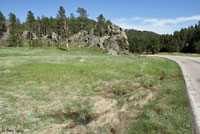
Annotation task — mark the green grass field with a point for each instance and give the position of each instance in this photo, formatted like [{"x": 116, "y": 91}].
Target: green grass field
[{"x": 49, "y": 91}]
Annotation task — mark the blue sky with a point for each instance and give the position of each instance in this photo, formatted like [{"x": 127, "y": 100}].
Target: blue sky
[{"x": 160, "y": 16}]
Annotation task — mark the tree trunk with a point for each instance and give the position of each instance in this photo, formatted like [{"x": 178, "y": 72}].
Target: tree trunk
[
  {"x": 66, "y": 38},
  {"x": 39, "y": 32}
]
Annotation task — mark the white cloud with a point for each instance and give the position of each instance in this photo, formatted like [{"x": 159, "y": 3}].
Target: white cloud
[
  {"x": 136, "y": 18},
  {"x": 161, "y": 26}
]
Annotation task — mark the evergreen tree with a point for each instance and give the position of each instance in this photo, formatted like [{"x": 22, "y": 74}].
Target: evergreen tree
[
  {"x": 82, "y": 20},
  {"x": 134, "y": 45},
  {"x": 61, "y": 17},
  {"x": 82, "y": 13},
  {"x": 101, "y": 26},
  {"x": 44, "y": 25},
  {"x": 2, "y": 24},
  {"x": 173, "y": 46},
  {"x": 30, "y": 24},
  {"x": 73, "y": 26},
  {"x": 15, "y": 34},
  {"x": 38, "y": 26},
  {"x": 154, "y": 46},
  {"x": 101, "y": 19},
  {"x": 197, "y": 47}
]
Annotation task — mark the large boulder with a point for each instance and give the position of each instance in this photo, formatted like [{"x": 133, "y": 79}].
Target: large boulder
[{"x": 55, "y": 37}]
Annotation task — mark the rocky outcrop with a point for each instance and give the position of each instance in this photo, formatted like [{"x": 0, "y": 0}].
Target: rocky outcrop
[
  {"x": 53, "y": 37},
  {"x": 27, "y": 35},
  {"x": 114, "y": 42}
]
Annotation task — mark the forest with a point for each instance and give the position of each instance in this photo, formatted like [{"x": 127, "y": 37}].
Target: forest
[
  {"x": 41, "y": 26},
  {"x": 187, "y": 40}
]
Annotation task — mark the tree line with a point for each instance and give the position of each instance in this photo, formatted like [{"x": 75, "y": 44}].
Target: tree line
[
  {"x": 41, "y": 26},
  {"x": 187, "y": 40}
]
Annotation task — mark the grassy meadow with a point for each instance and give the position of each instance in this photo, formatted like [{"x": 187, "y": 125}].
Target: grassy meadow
[{"x": 49, "y": 91}]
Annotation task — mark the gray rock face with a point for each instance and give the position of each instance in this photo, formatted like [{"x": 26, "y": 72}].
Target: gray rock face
[
  {"x": 45, "y": 37},
  {"x": 81, "y": 36},
  {"x": 55, "y": 37},
  {"x": 114, "y": 43},
  {"x": 27, "y": 34}
]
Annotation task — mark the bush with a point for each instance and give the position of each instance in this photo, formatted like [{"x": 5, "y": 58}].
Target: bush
[
  {"x": 38, "y": 43},
  {"x": 197, "y": 47}
]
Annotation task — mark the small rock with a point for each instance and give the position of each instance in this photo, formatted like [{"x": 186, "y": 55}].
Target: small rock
[
  {"x": 5, "y": 72},
  {"x": 130, "y": 98}
]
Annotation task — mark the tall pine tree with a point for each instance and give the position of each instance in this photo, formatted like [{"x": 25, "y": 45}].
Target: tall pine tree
[
  {"x": 30, "y": 24},
  {"x": 2, "y": 24},
  {"x": 61, "y": 17},
  {"x": 14, "y": 38}
]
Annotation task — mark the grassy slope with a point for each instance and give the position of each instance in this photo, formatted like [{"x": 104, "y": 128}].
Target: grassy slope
[{"x": 44, "y": 82}]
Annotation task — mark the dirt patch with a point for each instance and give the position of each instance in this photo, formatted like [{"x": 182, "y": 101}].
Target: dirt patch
[
  {"x": 77, "y": 117},
  {"x": 116, "y": 89},
  {"x": 109, "y": 118},
  {"x": 102, "y": 113},
  {"x": 175, "y": 75},
  {"x": 102, "y": 105},
  {"x": 145, "y": 100}
]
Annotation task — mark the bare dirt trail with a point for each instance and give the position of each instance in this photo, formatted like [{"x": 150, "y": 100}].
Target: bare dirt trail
[{"x": 191, "y": 71}]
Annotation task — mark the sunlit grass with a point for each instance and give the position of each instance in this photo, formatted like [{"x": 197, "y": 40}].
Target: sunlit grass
[{"x": 48, "y": 88}]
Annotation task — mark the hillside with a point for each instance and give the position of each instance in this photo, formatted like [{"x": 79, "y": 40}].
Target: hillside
[
  {"x": 140, "y": 34},
  {"x": 81, "y": 31}
]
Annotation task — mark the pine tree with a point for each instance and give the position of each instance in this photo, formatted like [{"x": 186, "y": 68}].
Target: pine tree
[
  {"x": 61, "y": 21},
  {"x": 15, "y": 34},
  {"x": 154, "y": 46},
  {"x": 38, "y": 26},
  {"x": 197, "y": 47},
  {"x": 2, "y": 24},
  {"x": 134, "y": 45},
  {"x": 82, "y": 19},
  {"x": 63, "y": 25},
  {"x": 73, "y": 27},
  {"x": 30, "y": 23},
  {"x": 82, "y": 13},
  {"x": 101, "y": 27}
]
